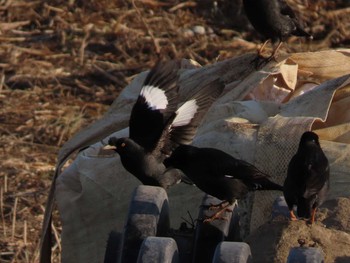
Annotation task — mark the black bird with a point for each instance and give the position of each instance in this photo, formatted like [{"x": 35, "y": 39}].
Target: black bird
[
  {"x": 307, "y": 182},
  {"x": 157, "y": 125},
  {"x": 275, "y": 20},
  {"x": 219, "y": 174}
]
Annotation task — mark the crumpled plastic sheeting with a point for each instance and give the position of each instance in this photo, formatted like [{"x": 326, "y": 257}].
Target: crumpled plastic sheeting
[
  {"x": 94, "y": 191},
  {"x": 278, "y": 134}
]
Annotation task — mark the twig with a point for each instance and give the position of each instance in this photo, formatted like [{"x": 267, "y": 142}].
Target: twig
[
  {"x": 36, "y": 253},
  {"x": 21, "y": 4},
  {"x": 155, "y": 42},
  {"x": 339, "y": 12},
  {"x": 13, "y": 25},
  {"x": 82, "y": 49},
  {"x": 33, "y": 51},
  {"x": 22, "y": 210},
  {"x": 15, "y": 257},
  {"x": 2, "y": 211},
  {"x": 58, "y": 241},
  {"x": 62, "y": 134},
  {"x": 183, "y": 5},
  {"x": 108, "y": 75},
  {"x": 42, "y": 146},
  {"x": 20, "y": 194},
  {"x": 14, "y": 219},
  {"x": 116, "y": 67},
  {"x": 153, "y": 3},
  {"x": 84, "y": 43},
  {"x": 54, "y": 8},
  {"x": 13, "y": 39},
  {"x": 55, "y": 56},
  {"x": 5, "y": 183},
  {"x": 6, "y": 5},
  {"x": 53, "y": 252},
  {"x": 192, "y": 222},
  {"x": 83, "y": 87},
  {"x": 2, "y": 80},
  {"x": 4, "y": 65},
  {"x": 25, "y": 230}
]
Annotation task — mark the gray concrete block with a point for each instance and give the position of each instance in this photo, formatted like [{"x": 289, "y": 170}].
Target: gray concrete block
[
  {"x": 158, "y": 249},
  {"x": 305, "y": 255},
  {"x": 148, "y": 216},
  {"x": 209, "y": 235},
  {"x": 232, "y": 252},
  {"x": 279, "y": 208}
]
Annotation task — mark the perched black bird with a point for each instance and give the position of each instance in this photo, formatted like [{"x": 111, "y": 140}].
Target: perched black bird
[
  {"x": 157, "y": 125},
  {"x": 219, "y": 174},
  {"x": 307, "y": 182},
  {"x": 274, "y": 19}
]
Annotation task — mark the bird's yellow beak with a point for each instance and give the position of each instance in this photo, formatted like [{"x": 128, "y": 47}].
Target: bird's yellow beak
[{"x": 109, "y": 147}]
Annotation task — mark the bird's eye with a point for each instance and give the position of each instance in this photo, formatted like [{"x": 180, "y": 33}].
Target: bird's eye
[{"x": 123, "y": 144}]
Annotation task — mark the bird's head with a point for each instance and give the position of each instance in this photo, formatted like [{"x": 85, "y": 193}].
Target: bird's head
[
  {"x": 309, "y": 137},
  {"x": 117, "y": 144}
]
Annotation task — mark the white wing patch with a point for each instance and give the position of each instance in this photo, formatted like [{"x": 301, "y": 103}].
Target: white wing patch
[
  {"x": 185, "y": 113},
  {"x": 229, "y": 176},
  {"x": 155, "y": 97}
]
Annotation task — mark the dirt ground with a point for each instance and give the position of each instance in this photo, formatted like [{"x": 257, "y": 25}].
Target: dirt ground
[{"x": 63, "y": 63}]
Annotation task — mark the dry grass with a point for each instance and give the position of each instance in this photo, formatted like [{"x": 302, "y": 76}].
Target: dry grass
[{"x": 63, "y": 63}]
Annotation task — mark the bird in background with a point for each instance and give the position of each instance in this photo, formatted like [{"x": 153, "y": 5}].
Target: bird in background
[
  {"x": 219, "y": 174},
  {"x": 158, "y": 125},
  {"x": 275, "y": 20},
  {"x": 307, "y": 182}
]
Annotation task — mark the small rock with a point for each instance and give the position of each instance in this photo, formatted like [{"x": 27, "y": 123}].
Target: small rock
[
  {"x": 188, "y": 33},
  {"x": 200, "y": 30}
]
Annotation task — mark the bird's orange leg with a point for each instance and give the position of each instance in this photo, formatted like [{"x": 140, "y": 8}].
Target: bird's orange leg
[
  {"x": 260, "y": 60},
  {"x": 260, "y": 51},
  {"x": 313, "y": 214},
  {"x": 217, "y": 215},
  {"x": 273, "y": 55},
  {"x": 292, "y": 216},
  {"x": 218, "y": 206}
]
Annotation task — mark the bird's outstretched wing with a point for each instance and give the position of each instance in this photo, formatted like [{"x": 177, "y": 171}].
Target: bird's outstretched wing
[
  {"x": 250, "y": 175},
  {"x": 183, "y": 125},
  {"x": 155, "y": 104}
]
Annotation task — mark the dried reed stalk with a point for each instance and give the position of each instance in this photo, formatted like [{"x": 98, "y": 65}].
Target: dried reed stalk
[
  {"x": 2, "y": 211},
  {"x": 14, "y": 211},
  {"x": 149, "y": 31},
  {"x": 57, "y": 238},
  {"x": 25, "y": 230}
]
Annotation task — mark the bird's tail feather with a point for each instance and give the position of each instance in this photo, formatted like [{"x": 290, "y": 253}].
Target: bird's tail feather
[{"x": 299, "y": 31}]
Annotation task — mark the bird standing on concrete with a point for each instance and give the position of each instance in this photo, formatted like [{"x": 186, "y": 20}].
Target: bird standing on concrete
[
  {"x": 219, "y": 174},
  {"x": 275, "y": 20},
  {"x": 307, "y": 182},
  {"x": 157, "y": 125}
]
